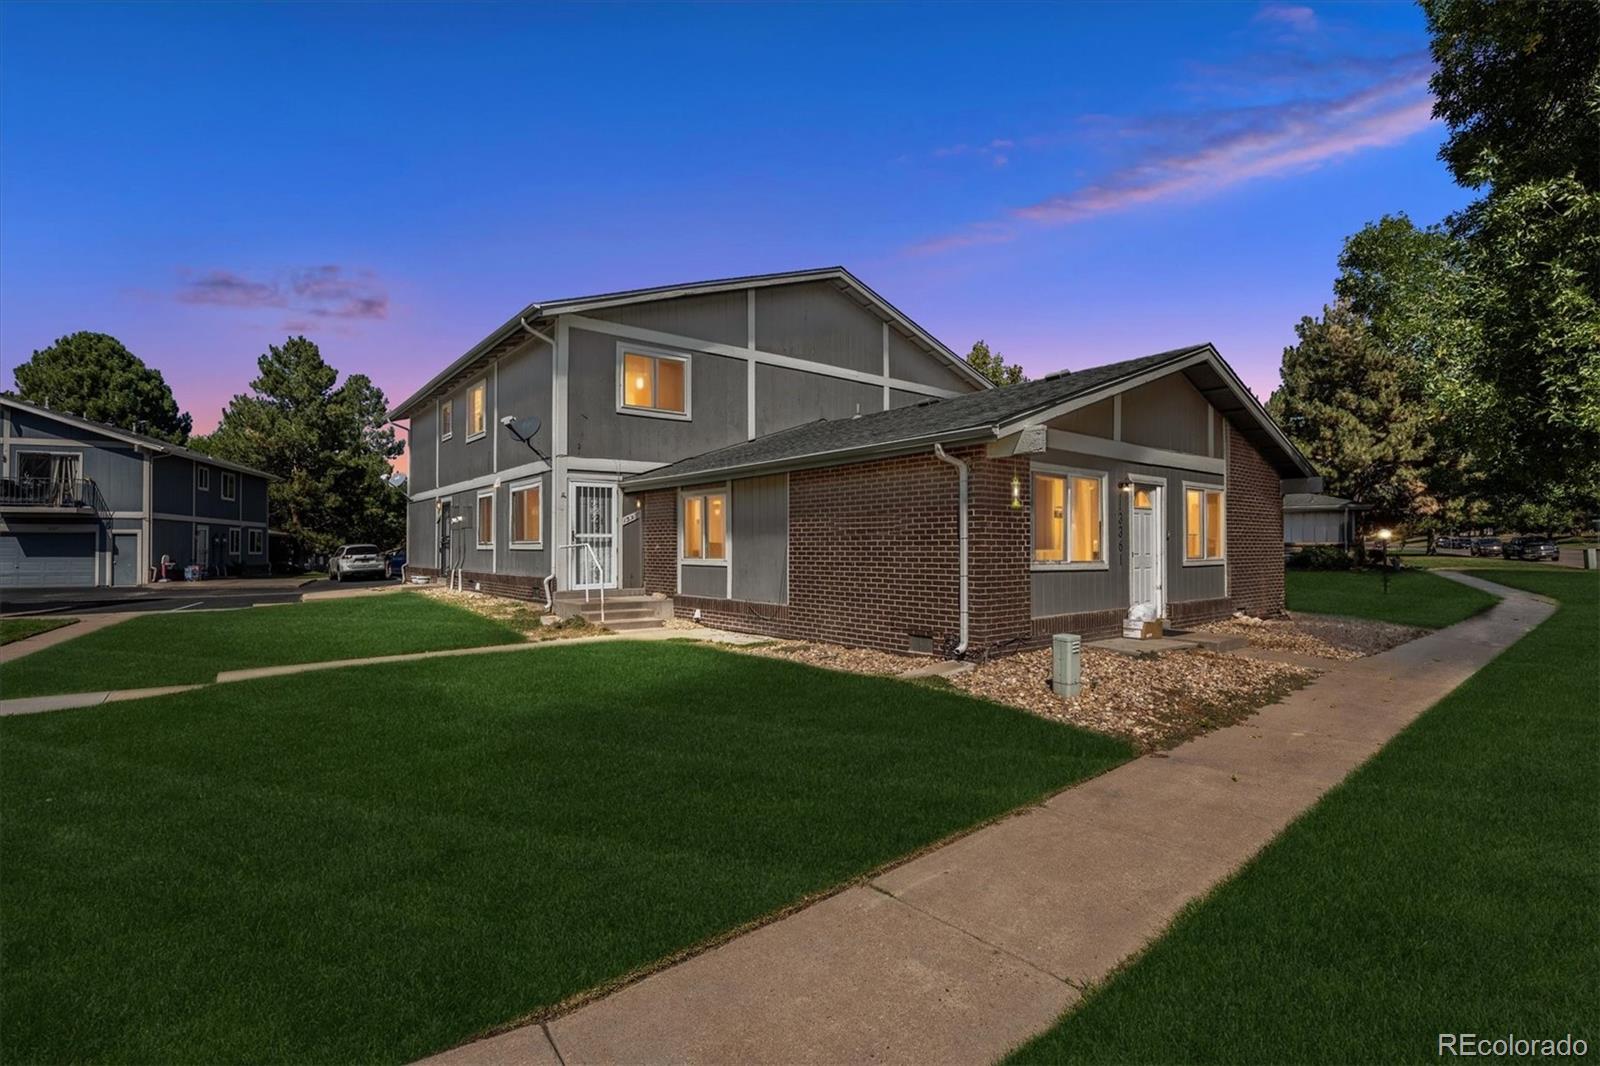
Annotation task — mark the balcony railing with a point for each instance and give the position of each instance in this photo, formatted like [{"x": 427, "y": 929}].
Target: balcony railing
[{"x": 75, "y": 493}]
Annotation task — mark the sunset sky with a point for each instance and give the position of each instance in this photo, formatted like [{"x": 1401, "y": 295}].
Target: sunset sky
[{"x": 1075, "y": 184}]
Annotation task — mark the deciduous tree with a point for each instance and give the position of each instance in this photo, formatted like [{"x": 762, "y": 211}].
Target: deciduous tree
[{"x": 993, "y": 365}]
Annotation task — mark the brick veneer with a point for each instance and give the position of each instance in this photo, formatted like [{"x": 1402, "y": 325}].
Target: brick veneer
[
  {"x": 509, "y": 586},
  {"x": 1255, "y": 530}
]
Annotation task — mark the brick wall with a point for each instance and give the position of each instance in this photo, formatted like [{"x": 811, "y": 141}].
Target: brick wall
[
  {"x": 1255, "y": 530},
  {"x": 510, "y": 586},
  {"x": 659, "y": 534}
]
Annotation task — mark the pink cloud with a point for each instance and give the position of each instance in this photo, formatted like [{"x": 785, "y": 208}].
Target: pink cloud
[
  {"x": 1294, "y": 17},
  {"x": 321, "y": 292}
]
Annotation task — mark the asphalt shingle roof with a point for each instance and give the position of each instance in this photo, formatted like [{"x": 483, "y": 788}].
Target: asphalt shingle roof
[{"x": 953, "y": 418}]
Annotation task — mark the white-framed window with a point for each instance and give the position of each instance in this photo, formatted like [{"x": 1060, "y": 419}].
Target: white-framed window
[
  {"x": 1069, "y": 518},
  {"x": 486, "y": 519},
  {"x": 447, "y": 419},
  {"x": 652, "y": 382},
  {"x": 477, "y": 410},
  {"x": 527, "y": 515},
  {"x": 1205, "y": 541},
  {"x": 704, "y": 522},
  {"x": 258, "y": 541},
  {"x": 230, "y": 485},
  {"x": 233, "y": 541},
  {"x": 202, "y": 478}
]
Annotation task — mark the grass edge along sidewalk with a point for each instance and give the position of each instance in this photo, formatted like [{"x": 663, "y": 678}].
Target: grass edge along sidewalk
[
  {"x": 1414, "y": 597},
  {"x": 1446, "y": 886}
]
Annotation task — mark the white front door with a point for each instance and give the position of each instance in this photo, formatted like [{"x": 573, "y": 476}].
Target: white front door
[
  {"x": 1145, "y": 548},
  {"x": 594, "y": 535}
]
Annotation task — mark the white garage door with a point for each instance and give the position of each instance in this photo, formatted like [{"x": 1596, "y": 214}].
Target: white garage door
[{"x": 39, "y": 560}]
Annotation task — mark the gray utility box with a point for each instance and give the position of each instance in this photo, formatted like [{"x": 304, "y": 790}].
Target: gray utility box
[{"x": 1066, "y": 664}]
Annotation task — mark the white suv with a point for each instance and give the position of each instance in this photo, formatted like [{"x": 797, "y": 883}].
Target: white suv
[{"x": 356, "y": 560}]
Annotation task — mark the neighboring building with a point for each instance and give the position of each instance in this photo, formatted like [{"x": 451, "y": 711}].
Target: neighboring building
[
  {"x": 745, "y": 448},
  {"x": 1314, "y": 518},
  {"x": 84, "y": 504}
]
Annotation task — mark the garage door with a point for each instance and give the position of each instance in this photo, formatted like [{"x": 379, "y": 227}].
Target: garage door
[{"x": 59, "y": 560}]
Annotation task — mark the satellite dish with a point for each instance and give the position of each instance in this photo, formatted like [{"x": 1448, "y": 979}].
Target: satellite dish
[{"x": 522, "y": 428}]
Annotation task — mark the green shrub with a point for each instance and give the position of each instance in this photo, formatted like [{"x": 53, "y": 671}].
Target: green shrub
[{"x": 1321, "y": 557}]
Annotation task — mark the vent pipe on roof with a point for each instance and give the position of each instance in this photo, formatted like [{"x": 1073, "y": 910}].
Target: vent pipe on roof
[{"x": 961, "y": 468}]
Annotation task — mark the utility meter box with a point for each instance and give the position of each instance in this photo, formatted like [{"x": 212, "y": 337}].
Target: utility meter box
[{"x": 1066, "y": 666}]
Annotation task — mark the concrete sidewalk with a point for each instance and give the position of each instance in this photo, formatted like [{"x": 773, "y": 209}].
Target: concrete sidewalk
[
  {"x": 88, "y": 624},
  {"x": 961, "y": 954}
]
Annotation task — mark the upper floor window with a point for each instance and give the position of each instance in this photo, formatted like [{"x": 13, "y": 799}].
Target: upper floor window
[
  {"x": 202, "y": 478},
  {"x": 705, "y": 527},
  {"x": 653, "y": 383},
  {"x": 1203, "y": 525},
  {"x": 447, "y": 419},
  {"x": 230, "y": 485},
  {"x": 477, "y": 410},
  {"x": 1069, "y": 519}
]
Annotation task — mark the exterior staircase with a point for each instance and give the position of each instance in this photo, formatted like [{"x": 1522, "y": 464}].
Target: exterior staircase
[{"x": 626, "y": 609}]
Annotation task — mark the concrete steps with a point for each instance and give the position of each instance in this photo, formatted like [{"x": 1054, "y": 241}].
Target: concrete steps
[{"x": 626, "y": 609}]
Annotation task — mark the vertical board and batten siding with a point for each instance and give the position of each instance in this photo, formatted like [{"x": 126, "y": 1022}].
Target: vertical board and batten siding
[
  {"x": 1170, "y": 413},
  {"x": 524, "y": 389},
  {"x": 897, "y": 398},
  {"x": 706, "y": 580},
  {"x": 760, "y": 539},
  {"x": 909, "y": 361},
  {"x": 1314, "y": 527},
  {"x": 422, "y": 549},
  {"x": 421, "y": 445},
  {"x": 814, "y": 320},
  {"x": 459, "y": 458},
  {"x": 787, "y": 397},
  {"x": 1056, "y": 592},
  {"x": 1096, "y": 420},
  {"x": 719, "y": 317}
]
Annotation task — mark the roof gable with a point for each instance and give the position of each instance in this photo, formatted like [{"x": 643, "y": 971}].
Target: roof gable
[{"x": 154, "y": 445}]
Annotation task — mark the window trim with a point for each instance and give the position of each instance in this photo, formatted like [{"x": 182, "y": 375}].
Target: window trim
[
  {"x": 481, "y": 383},
  {"x": 1066, "y": 472},
  {"x": 625, "y": 349},
  {"x": 724, "y": 490},
  {"x": 447, "y": 418},
  {"x": 537, "y": 485},
  {"x": 230, "y": 497},
  {"x": 477, "y": 518},
  {"x": 235, "y": 542},
  {"x": 202, "y": 477},
  {"x": 258, "y": 542},
  {"x": 1204, "y": 487}
]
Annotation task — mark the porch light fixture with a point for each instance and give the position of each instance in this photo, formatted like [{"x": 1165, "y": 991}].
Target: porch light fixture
[
  {"x": 1124, "y": 486},
  {"x": 1016, "y": 493}
]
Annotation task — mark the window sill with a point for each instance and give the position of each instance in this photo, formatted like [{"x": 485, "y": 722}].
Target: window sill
[
  {"x": 646, "y": 412},
  {"x": 486, "y": 547},
  {"x": 527, "y": 545},
  {"x": 1052, "y": 567},
  {"x": 1205, "y": 562},
  {"x": 446, "y": 436},
  {"x": 476, "y": 436},
  {"x": 702, "y": 562}
]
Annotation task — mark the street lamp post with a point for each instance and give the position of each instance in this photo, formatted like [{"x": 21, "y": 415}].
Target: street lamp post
[{"x": 1383, "y": 556}]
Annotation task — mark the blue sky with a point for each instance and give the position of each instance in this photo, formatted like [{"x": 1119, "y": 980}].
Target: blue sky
[{"x": 1076, "y": 184}]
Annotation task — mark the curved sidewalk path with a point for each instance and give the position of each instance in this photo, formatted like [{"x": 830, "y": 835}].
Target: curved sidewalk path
[{"x": 963, "y": 953}]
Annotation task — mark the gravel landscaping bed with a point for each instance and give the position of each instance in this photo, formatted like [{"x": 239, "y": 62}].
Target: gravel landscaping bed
[
  {"x": 1322, "y": 636},
  {"x": 838, "y": 657},
  {"x": 515, "y": 613},
  {"x": 1152, "y": 701}
]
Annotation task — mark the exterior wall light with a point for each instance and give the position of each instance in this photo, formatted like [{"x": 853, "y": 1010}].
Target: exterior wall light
[{"x": 1016, "y": 493}]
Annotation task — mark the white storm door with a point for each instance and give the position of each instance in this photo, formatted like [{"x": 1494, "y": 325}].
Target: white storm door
[
  {"x": 202, "y": 546},
  {"x": 1144, "y": 547},
  {"x": 594, "y": 535}
]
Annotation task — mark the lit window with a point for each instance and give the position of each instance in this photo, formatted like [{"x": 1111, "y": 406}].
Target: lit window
[
  {"x": 1069, "y": 518},
  {"x": 202, "y": 478},
  {"x": 447, "y": 419},
  {"x": 526, "y": 528},
  {"x": 230, "y": 485},
  {"x": 1203, "y": 525},
  {"x": 705, "y": 526},
  {"x": 257, "y": 541},
  {"x": 655, "y": 383},
  {"x": 486, "y": 520},
  {"x": 233, "y": 542},
  {"x": 477, "y": 410}
]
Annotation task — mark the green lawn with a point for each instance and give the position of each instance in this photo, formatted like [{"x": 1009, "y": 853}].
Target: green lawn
[
  {"x": 1414, "y": 598},
  {"x": 375, "y": 863},
  {"x": 188, "y": 647},
  {"x": 1449, "y": 885},
  {"x": 13, "y": 629}
]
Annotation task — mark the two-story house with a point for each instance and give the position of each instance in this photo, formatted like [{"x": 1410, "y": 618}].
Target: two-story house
[
  {"x": 788, "y": 454},
  {"x": 84, "y": 504}
]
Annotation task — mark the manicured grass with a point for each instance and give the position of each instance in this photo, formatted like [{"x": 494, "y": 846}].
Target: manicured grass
[
  {"x": 1413, "y": 599},
  {"x": 187, "y": 647},
  {"x": 375, "y": 863},
  {"x": 1447, "y": 886},
  {"x": 1453, "y": 561},
  {"x": 13, "y": 629}
]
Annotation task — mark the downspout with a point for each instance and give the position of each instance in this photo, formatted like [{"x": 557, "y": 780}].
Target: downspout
[{"x": 961, "y": 468}]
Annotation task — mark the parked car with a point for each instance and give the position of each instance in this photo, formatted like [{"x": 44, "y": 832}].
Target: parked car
[
  {"x": 394, "y": 564},
  {"x": 355, "y": 560},
  {"x": 1488, "y": 546},
  {"x": 1445, "y": 541},
  {"x": 1532, "y": 548}
]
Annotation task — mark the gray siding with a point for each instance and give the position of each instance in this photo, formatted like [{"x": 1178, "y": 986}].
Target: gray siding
[
  {"x": 814, "y": 320},
  {"x": 1070, "y": 591},
  {"x": 172, "y": 486},
  {"x": 786, "y": 397},
  {"x": 421, "y": 550},
  {"x": 595, "y": 428},
  {"x": 1096, "y": 420},
  {"x": 761, "y": 539},
  {"x": 908, "y": 361},
  {"x": 700, "y": 579},
  {"x": 1314, "y": 527},
  {"x": 524, "y": 387},
  {"x": 721, "y": 317},
  {"x": 1167, "y": 413},
  {"x": 420, "y": 444},
  {"x": 526, "y": 561},
  {"x": 26, "y": 424},
  {"x": 459, "y": 458},
  {"x": 173, "y": 539},
  {"x": 117, "y": 470},
  {"x": 253, "y": 498},
  {"x": 905, "y": 399}
]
